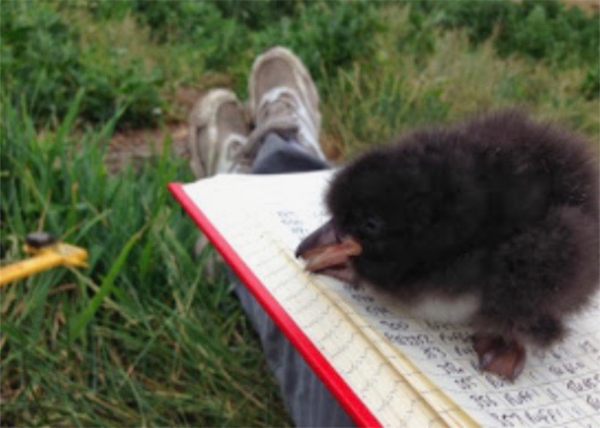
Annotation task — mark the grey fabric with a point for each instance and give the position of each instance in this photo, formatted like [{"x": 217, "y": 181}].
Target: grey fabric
[
  {"x": 307, "y": 399},
  {"x": 282, "y": 153}
]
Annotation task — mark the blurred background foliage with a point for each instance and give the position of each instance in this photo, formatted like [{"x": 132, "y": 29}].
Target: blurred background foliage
[
  {"x": 143, "y": 336},
  {"x": 49, "y": 50}
]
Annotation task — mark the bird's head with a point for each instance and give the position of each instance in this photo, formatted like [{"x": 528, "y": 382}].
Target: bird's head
[{"x": 385, "y": 223}]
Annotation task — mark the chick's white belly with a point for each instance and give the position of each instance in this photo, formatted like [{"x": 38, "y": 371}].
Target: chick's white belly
[{"x": 457, "y": 309}]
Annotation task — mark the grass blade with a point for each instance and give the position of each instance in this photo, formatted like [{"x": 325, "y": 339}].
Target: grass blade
[{"x": 80, "y": 322}]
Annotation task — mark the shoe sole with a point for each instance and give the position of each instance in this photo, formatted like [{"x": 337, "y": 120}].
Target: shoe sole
[
  {"x": 203, "y": 115},
  {"x": 297, "y": 65}
]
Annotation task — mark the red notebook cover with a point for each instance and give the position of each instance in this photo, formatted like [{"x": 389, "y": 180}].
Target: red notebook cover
[{"x": 326, "y": 372}]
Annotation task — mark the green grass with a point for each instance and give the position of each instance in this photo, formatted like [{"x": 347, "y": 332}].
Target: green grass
[
  {"x": 142, "y": 336},
  {"x": 399, "y": 90},
  {"x": 139, "y": 337}
]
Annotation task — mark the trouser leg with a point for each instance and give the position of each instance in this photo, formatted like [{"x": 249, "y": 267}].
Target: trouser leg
[
  {"x": 281, "y": 154},
  {"x": 307, "y": 399}
]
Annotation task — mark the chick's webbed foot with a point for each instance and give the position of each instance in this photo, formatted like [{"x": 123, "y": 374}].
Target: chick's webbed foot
[{"x": 499, "y": 356}]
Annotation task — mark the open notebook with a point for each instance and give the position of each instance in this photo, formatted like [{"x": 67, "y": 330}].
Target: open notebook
[{"x": 384, "y": 367}]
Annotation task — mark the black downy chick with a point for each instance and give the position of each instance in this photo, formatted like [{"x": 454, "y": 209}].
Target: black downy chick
[{"x": 494, "y": 221}]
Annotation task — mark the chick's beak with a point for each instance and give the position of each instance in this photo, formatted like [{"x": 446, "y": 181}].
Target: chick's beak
[{"x": 326, "y": 252}]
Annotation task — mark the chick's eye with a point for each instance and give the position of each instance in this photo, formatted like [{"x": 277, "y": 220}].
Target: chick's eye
[{"x": 372, "y": 225}]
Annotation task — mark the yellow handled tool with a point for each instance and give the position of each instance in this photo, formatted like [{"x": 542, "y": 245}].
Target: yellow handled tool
[{"x": 46, "y": 254}]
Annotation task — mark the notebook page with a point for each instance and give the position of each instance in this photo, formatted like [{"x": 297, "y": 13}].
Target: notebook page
[
  {"x": 558, "y": 388},
  {"x": 392, "y": 400}
]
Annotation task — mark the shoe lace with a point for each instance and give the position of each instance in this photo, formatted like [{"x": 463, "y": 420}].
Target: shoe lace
[{"x": 284, "y": 102}]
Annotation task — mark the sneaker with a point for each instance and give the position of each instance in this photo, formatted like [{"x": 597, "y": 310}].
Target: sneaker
[
  {"x": 283, "y": 99},
  {"x": 218, "y": 132}
]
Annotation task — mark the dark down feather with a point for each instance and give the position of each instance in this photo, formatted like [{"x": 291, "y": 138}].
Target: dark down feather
[{"x": 499, "y": 206}]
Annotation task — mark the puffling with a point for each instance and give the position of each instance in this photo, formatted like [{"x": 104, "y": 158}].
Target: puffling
[{"x": 493, "y": 221}]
